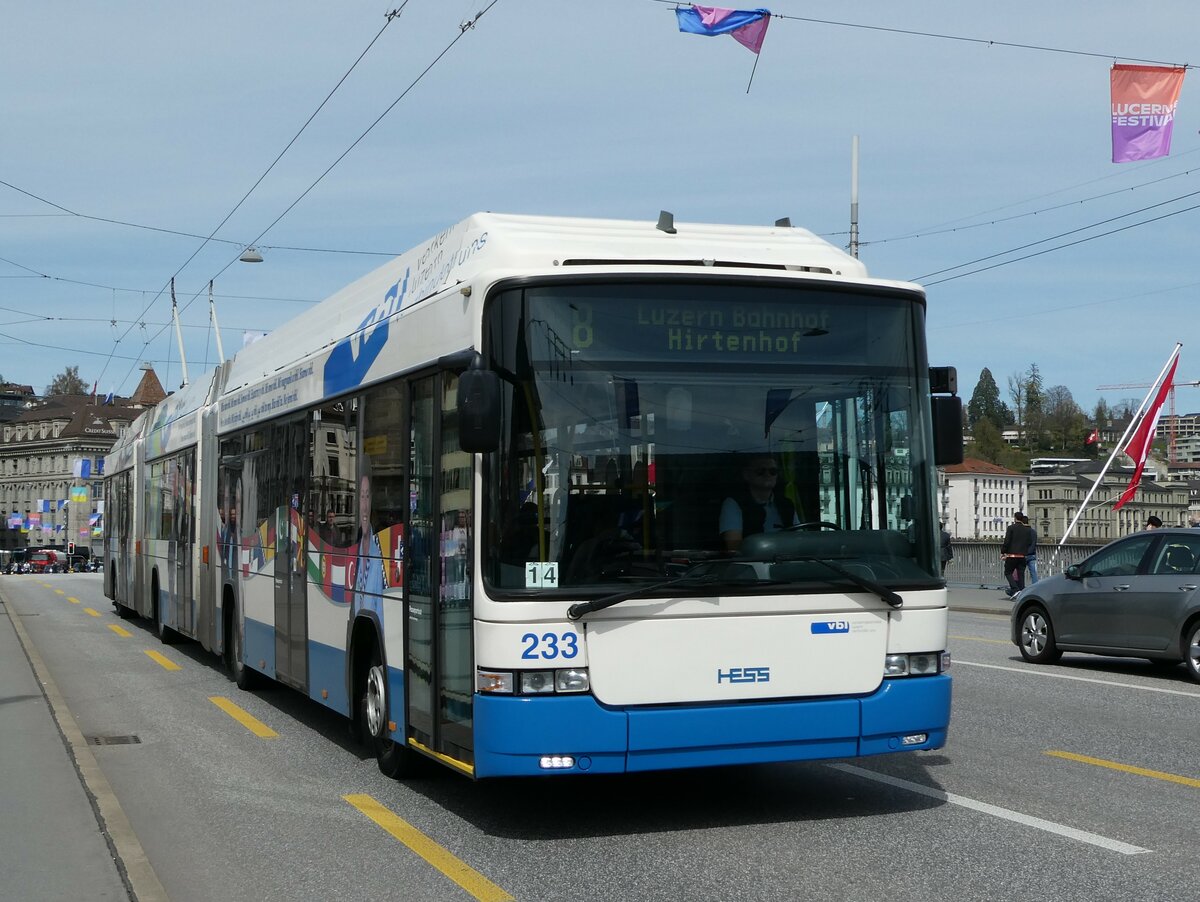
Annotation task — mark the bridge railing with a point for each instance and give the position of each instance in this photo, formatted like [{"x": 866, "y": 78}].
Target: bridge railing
[{"x": 979, "y": 563}]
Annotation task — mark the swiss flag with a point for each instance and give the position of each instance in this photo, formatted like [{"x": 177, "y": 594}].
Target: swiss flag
[
  {"x": 1093, "y": 437},
  {"x": 1143, "y": 437}
]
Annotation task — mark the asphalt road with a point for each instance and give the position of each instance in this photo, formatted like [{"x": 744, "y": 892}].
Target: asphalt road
[{"x": 1078, "y": 781}]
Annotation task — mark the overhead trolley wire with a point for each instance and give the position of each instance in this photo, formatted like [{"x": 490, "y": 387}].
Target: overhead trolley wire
[
  {"x": 68, "y": 213},
  {"x": 1003, "y": 219},
  {"x": 387, "y": 21},
  {"x": 462, "y": 30},
  {"x": 1068, "y": 244},
  {"x": 37, "y": 274},
  {"x": 1085, "y": 228}
]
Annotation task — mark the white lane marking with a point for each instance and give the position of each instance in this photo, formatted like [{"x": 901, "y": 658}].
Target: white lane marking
[
  {"x": 1077, "y": 679},
  {"x": 1094, "y": 839}
]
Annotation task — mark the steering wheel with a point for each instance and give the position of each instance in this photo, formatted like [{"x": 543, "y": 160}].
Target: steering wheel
[{"x": 811, "y": 524}]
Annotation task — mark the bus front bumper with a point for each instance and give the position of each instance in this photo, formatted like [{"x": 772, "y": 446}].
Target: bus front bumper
[{"x": 516, "y": 736}]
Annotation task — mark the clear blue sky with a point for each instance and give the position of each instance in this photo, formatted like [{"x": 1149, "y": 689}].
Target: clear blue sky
[{"x": 165, "y": 115}]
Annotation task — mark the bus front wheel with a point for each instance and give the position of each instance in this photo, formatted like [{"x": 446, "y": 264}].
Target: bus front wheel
[{"x": 394, "y": 760}]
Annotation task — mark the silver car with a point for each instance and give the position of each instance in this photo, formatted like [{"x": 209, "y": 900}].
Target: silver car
[{"x": 1137, "y": 597}]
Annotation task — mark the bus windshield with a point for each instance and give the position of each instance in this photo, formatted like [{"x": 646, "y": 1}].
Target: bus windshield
[{"x": 746, "y": 430}]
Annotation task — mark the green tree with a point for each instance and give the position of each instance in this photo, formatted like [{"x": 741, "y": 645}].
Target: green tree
[
  {"x": 1064, "y": 419},
  {"x": 1124, "y": 408},
  {"x": 1101, "y": 415},
  {"x": 1035, "y": 408},
  {"x": 67, "y": 383},
  {"x": 1017, "y": 393},
  {"x": 988, "y": 444},
  {"x": 985, "y": 403}
]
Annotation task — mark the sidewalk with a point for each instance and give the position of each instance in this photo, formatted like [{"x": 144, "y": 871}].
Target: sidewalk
[
  {"x": 51, "y": 844},
  {"x": 979, "y": 601}
]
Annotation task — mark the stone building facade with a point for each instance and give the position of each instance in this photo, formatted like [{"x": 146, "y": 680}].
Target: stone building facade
[
  {"x": 1055, "y": 498},
  {"x": 51, "y": 467}
]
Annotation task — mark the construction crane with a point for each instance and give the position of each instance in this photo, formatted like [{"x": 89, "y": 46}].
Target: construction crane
[{"x": 1192, "y": 383}]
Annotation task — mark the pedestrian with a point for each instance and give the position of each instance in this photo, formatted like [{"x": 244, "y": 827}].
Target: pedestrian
[
  {"x": 947, "y": 549},
  {"x": 1013, "y": 551},
  {"x": 1153, "y": 522},
  {"x": 1031, "y": 554}
]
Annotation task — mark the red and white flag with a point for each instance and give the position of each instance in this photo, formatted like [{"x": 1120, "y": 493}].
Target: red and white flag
[
  {"x": 1093, "y": 437},
  {"x": 1143, "y": 437}
]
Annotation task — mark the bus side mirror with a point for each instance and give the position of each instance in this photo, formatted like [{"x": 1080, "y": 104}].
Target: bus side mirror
[
  {"x": 478, "y": 409},
  {"x": 947, "y": 430}
]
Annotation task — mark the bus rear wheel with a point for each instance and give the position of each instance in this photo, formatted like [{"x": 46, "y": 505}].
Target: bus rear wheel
[
  {"x": 166, "y": 635},
  {"x": 394, "y": 760},
  {"x": 246, "y": 678}
]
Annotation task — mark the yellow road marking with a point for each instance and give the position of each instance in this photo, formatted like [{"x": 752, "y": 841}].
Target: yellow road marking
[
  {"x": 979, "y": 639},
  {"x": 1127, "y": 768},
  {"x": 72, "y": 599},
  {"x": 120, "y": 630},
  {"x": 91, "y": 611},
  {"x": 478, "y": 886},
  {"x": 59, "y": 592},
  {"x": 245, "y": 718},
  {"x": 166, "y": 662}
]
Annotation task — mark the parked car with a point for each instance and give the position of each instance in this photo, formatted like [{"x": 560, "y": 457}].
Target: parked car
[{"x": 1136, "y": 597}]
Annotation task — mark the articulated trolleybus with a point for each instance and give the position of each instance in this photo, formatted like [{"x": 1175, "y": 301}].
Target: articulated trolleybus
[{"x": 555, "y": 495}]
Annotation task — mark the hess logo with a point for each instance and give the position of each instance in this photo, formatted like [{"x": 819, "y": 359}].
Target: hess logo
[{"x": 744, "y": 675}]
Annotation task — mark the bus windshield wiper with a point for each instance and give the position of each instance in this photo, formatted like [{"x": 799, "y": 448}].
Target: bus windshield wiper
[
  {"x": 575, "y": 611},
  {"x": 892, "y": 598}
]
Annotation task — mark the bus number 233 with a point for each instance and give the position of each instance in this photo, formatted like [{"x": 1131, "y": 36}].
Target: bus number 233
[{"x": 550, "y": 645}]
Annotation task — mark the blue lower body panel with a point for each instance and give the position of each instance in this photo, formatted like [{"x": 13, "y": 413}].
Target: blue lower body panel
[
  {"x": 512, "y": 734},
  {"x": 259, "y": 652},
  {"x": 327, "y": 673}
]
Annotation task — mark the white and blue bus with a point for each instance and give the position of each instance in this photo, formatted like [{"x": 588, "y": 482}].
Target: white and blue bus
[{"x": 550, "y": 495}]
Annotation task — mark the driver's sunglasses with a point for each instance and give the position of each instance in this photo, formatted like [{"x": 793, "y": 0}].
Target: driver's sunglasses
[{"x": 766, "y": 471}]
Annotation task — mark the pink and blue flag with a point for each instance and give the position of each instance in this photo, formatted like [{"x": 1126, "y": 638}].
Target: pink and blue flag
[
  {"x": 746, "y": 26},
  {"x": 1144, "y": 99}
]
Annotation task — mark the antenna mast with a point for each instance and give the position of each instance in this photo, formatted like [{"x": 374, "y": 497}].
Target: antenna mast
[{"x": 854, "y": 198}]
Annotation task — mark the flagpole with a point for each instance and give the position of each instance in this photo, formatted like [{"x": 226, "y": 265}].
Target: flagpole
[
  {"x": 752, "y": 71},
  {"x": 1120, "y": 447}
]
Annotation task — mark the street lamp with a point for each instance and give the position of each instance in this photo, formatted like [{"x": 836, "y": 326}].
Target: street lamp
[{"x": 251, "y": 255}]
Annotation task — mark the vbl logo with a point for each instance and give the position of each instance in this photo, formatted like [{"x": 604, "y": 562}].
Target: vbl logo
[{"x": 744, "y": 675}]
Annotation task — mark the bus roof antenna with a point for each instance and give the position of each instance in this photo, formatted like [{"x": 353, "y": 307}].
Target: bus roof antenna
[
  {"x": 666, "y": 222},
  {"x": 785, "y": 223}
]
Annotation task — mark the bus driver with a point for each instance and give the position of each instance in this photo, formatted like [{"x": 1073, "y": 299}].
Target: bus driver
[{"x": 757, "y": 507}]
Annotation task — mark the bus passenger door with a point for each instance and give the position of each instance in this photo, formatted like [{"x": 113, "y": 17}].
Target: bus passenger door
[
  {"x": 185, "y": 538},
  {"x": 439, "y": 666},
  {"x": 291, "y": 443}
]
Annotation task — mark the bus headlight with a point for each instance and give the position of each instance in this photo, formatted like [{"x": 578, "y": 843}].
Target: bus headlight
[
  {"x": 532, "y": 682},
  {"x": 925, "y": 663},
  {"x": 571, "y": 681},
  {"x": 922, "y": 665},
  {"x": 536, "y": 682}
]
